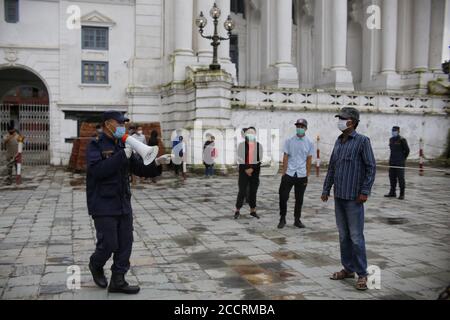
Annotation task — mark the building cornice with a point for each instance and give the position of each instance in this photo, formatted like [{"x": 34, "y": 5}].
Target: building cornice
[{"x": 111, "y": 2}]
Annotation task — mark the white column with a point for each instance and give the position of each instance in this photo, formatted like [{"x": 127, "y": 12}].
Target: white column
[
  {"x": 437, "y": 35},
  {"x": 339, "y": 34},
  {"x": 421, "y": 34},
  {"x": 204, "y": 48},
  {"x": 224, "y": 48},
  {"x": 183, "y": 27},
  {"x": 336, "y": 76},
  {"x": 285, "y": 74},
  {"x": 389, "y": 35},
  {"x": 284, "y": 32}
]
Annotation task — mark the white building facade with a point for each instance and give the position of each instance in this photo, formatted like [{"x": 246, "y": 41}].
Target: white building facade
[{"x": 287, "y": 59}]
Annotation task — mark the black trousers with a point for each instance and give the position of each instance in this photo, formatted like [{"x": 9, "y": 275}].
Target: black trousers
[
  {"x": 248, "y": 188},
  {"x": 394, "y": 175},
  {"x": 114, "y": 236},
  {"x": 178, "y": 168},
  {"x": 285, "y": 188}
]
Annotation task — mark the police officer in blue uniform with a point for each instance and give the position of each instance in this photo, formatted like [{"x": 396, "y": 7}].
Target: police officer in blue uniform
[
  {"x": 399, "y": 153},
  {"x": 109, "y": 164}
]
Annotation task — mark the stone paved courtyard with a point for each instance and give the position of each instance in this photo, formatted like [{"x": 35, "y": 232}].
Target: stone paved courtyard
[{"x": 187, "y": 246}]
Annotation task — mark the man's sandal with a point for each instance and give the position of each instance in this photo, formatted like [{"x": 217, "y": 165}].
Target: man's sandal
[
  {"x": 361, "y": 284},
  {"x": 341, "y": 275}
]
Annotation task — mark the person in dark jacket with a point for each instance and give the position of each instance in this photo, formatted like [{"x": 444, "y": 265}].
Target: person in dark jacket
[
  {"x": 250, "y": 154},
  {"x": 109, "y": 163},
  {"x": 154, "y": 140},
  {"x": 399, "y": 153}
]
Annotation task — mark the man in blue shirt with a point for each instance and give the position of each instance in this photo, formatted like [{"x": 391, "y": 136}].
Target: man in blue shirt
[
  {"x": 352, "y": 172},
  {"x": 297, "y": 158}
]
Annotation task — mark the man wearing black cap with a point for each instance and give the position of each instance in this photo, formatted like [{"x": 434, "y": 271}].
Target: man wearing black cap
[
  {"x": 109, "y": 161},
  {"x": 399, "y": 153},
  {"x": 351, "y": 171}
]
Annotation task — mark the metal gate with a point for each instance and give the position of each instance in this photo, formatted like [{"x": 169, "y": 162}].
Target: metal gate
[{"x": 33, "y": 124}]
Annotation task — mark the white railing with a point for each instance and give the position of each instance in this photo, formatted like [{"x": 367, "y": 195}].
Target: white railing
[{"x": 295, "y": 99}]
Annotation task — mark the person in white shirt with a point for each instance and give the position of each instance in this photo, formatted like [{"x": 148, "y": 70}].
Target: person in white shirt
[
  {"x": 297, "y": 158},
  {"x": 139, "y": 135}
]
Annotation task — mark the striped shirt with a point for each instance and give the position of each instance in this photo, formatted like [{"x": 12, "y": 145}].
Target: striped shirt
[{"x": 352, "y": 168}]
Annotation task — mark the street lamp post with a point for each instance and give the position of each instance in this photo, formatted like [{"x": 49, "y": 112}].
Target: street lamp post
[{"x": 228, "y": 25}]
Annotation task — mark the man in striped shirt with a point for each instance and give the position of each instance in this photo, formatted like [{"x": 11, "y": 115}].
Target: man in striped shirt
[{"x": 352, "y": 172}]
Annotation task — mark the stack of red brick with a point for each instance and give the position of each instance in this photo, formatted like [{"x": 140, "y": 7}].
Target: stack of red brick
[
  {"x": 78, "y": 157},
  {"x": 148, "y": 128},
  {"x": 87, "y": 132}
]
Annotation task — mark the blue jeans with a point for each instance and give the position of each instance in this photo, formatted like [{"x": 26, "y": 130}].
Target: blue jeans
[
  {"x": 350, "y": 223},
  {"x": 209, "y": 170}
]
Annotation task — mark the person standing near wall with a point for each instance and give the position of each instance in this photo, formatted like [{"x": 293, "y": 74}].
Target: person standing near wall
[
  {"x": 179, "y": 154},
  {"x": 297, "y": 159},
  {"x": 11, "y": 141},
  {"x": 153, "y": 141},
  {"x": 399, "y": 152},
  {"x": 351, "y": 171},
  {"x": 139, "y": 135},
  {"x": 209, "y": 154},
  {"x": 249, "y": 156},
  {"x": 98, "y": 131}
]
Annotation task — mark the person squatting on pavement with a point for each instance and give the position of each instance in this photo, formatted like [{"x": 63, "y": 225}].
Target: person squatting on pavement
[
  {"x": 249, "y": 157},
  {"x": 351, "y": 171},
  {"x": 298, "y": 151},
  {"x": 108, "y": 193},
  {"x": 399, "y": 153}
]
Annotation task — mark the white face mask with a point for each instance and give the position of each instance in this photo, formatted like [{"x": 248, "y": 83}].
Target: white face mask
[
  {"x": 342, "y": 124},
  {"x": 139, "y": 132}
]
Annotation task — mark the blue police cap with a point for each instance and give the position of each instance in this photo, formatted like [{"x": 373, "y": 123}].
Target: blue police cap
[{"x": 116, "y": 115}]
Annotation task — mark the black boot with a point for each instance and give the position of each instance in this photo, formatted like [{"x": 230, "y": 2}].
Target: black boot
[
  {"x": 402, "y": 195},
  {"x": 99, "y": 276},
  {"x": 391, "y": 194},
  {"x": 282, "y": 223},
  {"x": 119, "y": 285},
  {"x": 254, "y": 214},
  {"x": 298, "y": 223}
]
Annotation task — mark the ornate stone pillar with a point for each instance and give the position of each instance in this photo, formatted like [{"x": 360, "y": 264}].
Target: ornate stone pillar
[
  {"x": 183, "y": 24},
  {"x": 286, "y": 75},
  {"x": 389, "y": 36},
  {"x": 421, "y": 35},
  {"x": 337, "y": 77},
  {"x": 204, "y": 48}
]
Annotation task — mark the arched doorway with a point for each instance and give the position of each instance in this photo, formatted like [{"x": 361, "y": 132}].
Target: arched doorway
[{"x": 24, "y": 102}]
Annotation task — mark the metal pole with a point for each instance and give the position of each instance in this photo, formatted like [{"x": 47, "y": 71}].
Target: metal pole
[
  {"x": 421, "y": 157},
  {"x": 19, "y": 161},
  {"x": 215, "y": 43},
  {"x": 318, "y": 157}
]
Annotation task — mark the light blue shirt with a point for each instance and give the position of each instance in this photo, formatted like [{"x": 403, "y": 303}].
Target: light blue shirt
[{"x": 298, "y": 149}]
